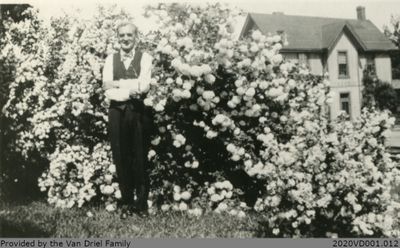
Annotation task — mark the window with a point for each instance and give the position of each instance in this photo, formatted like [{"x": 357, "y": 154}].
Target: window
[
  {"x": 290, "y": 56},
  {"x": 345, "y": 103},
  {"x": 303, "y": 59},
  {"x": 395, "y": 66},
  {"x": 370, "y": 64},
  {"x": 343, "y": 65}
]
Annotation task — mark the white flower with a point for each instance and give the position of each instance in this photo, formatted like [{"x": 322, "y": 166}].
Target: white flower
[
  {"x": 186, "y": 195},
  {"x": 209, "y": 78},
  {"x": 110, "y": 208},
  {"x": 193, "y": 16},
  {"x": 372, "y": 142},
  {"x": 215, "y": 198},
  {"x": 205, "y": 69},
  {"x": 233, "y": 212},
  {"x": 222, "y": 206},
  {"x": 275, "y": 92},
  {"x": 277, "y": 59},
  {"x": 357, "y": 208},
  {"x": 211, "y": 190},
  {"x": 256, "y": 35},
  {"x": 227, "y": 185},
  {"x": 235, "y": 157},
  {"x": 108, "y": 190},
  {"x": 156, "y": 141},
  {"x": 177, "y": 188},
  {"x": 187, "y": 85},
  {"x": 151, "y": 154},
  {"x": 276, "y": 38},
  {"x": 250, "y": 92},
  {"x": 183, "y": 206},
  {"x": 177, "y": 196},
  {"x": 112, "y": 168},
  {"x": 108, "y": 178},
  {"x": 243, "y": 48},
  {"x": 254, "y": 48},
  {"x": 241, "y": 214},
  {"x": 148, "y": 102},
  {"x": 208, "y": 95},
  {"x": 197, "y": 212},
  {"x": 118, "y": 194},
  {"x": 165, "y": 207},
  {"x": 179, "y": 140},
  {"x": 292, "y": 83},
  {"x": 159, "y": 108},
  {"x": 195, "y": 164}
]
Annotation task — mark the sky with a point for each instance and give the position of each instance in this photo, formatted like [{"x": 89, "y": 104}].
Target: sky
[{"x": 378, "y": 11}]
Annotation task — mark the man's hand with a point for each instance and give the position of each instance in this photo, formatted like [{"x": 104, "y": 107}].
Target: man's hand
[
  {"x": 110, "y": 85},
  {"x": 133, "y": 92},
  {"x": 144, "y": 87}
]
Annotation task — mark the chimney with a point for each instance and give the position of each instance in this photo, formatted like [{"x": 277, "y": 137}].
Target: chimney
[
  {"x": 361, "y": 13},
  {"x": 277, "y": 13}
]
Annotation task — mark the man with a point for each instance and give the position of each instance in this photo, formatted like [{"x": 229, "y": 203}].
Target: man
[{"x": 126, "y": 80}]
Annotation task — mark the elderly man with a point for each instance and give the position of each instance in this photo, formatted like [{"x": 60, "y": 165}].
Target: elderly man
[{"x": 126, "y": 80}]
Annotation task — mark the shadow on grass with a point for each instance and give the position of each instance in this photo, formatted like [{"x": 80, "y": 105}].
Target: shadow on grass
[{"x": 10, "y": 229}]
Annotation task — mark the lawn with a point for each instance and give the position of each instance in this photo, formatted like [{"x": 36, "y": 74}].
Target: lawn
[{"x": 38, "y": 219}]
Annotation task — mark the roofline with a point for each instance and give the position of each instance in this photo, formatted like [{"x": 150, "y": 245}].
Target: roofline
[
  {"x": 352, "y": 36},
  {"x": 383, "y": 50},
  {"x": 246, "y": 22},
  {"x": 255, "y": 23},
  {"x": 324, "y": 50},
  {"x": 322, "y": 17},
  {"x": 294, "y": 50},
  {"x": 345, "y": 29},
  {"x": 355, "y": 35}
]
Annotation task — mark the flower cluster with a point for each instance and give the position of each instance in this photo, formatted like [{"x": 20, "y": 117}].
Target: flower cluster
[{"x": 74, "y": 176}]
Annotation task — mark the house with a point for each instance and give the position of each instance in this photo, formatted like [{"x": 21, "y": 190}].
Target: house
[{"x": 341, "y": 47}]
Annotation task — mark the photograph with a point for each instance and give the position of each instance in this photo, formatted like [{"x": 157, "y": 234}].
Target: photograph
[{"x": 254, "y": 119}]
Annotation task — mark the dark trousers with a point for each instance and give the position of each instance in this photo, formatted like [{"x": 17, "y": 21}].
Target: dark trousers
[{"x": 129, "y": 131}]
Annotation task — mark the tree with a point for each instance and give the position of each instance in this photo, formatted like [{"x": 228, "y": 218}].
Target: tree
[
  {"x": 13, "y": 11},
  {"x": 393, "y": 33},
  {"x": 378, "y": 94},
  {"x": 14, "y": 184},
  {"x": 386, "y": 97}
]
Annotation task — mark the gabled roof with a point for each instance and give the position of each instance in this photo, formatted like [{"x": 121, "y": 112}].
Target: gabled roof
[{"x": 319, "y": 33}]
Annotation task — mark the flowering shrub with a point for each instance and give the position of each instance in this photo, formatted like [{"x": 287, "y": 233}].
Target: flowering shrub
[{"x": 238, "y": 128}]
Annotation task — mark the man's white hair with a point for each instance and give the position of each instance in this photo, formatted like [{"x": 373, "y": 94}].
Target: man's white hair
[{"x": 127, "y": 23}]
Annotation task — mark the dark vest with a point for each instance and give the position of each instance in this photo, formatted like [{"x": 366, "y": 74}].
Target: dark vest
[{"x": 119, "y": 72}]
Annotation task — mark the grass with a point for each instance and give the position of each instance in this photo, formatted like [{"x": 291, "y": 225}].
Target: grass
[{"x": 38, "y": 219}]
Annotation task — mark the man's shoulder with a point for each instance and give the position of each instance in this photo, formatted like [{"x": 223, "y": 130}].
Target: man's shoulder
[
  {"x": 146, "y": 55},
  {"x": 110, "y": 56},
  {"x": 140, "y": 50}
]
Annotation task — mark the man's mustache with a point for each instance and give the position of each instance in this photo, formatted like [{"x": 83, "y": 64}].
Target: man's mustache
[{"x": 126, "y": 42}]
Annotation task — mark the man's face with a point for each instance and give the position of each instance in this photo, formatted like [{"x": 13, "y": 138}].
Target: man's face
[{"x": 127, "y": 37}]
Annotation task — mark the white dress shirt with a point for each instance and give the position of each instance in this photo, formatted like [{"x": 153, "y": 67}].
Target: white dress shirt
[{"x": 140, "y": 84}]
